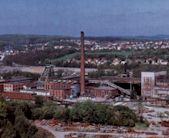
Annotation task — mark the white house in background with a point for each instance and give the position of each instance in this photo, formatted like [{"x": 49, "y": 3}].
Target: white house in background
[
  {"x": 116, "y": 61},
  {"x": 162, "y": 62}
]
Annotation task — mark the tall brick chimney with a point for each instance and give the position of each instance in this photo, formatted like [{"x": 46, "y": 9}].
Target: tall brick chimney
[{"x": 82, "y": 66}]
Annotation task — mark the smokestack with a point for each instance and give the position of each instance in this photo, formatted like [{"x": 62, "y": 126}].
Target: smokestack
[{"x": 82, "y": 66}]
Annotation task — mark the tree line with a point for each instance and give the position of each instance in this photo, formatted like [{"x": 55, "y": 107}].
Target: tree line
[
  {"x": 86, "y": 112},
  {"x": 15, "y": 116}
]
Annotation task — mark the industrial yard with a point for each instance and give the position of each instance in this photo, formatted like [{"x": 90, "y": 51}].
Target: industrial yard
[{"x": 157, "y": 117}]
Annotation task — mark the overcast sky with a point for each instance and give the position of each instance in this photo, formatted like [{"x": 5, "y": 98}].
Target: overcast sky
[{"x": 95, "y": 17}]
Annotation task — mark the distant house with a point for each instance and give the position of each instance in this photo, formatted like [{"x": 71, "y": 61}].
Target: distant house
[{"x": 116, "y": 61}]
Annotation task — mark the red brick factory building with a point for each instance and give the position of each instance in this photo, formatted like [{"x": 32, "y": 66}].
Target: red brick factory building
[{"x": 81, "y": 87}]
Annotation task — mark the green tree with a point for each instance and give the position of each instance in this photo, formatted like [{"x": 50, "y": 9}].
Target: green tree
[
  {"x": 37, "y": 113},
  {"x": 39, "y": 100},
  {"x": 31, "y": 131},
  {"x": 59, "y": 113},
  {"x": 75, "y": 113},
  {"x": 103, "y": 114},
  {"x": 21, "y": 125},
  {"x": 126, "y": 116},
  {"x": 87, "y": 111},
  {"x": 9, "y": 131},
  {"x": 3, "y": 109},
  {"x": 25, "y": 108}
]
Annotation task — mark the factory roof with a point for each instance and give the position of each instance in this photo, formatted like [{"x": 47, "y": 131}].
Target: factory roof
[{"x": 101, "y": 88}]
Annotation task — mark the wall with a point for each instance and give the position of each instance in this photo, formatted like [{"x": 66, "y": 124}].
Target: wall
[{"x": 147, "y": 84}]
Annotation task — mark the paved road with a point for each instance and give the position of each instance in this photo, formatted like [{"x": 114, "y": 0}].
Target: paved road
[
  {"x": 59, "y": 134},
  {"x": 50, "y": 130}
]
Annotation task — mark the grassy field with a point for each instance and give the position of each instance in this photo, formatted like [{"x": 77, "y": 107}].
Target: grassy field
[
  {"x": 70, "y": 56},
  {"x": 123, "y": 53},
  {"x": 141, "y": 126}
]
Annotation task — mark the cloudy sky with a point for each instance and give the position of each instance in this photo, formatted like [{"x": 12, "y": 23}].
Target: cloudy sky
[{"x": 95, "y": 17}]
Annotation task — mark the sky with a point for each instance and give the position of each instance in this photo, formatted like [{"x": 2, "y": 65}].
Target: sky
[{"x": 94, "y": 17}]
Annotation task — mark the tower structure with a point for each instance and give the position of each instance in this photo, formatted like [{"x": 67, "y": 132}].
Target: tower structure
[
  {"x": 82, "y": 66},
  {"x": 47, "y": 73}
]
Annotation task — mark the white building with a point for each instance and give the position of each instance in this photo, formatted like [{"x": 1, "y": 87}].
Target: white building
[
  {"x": 36, "y": 92},
  {"x": 154, "y": 85}
]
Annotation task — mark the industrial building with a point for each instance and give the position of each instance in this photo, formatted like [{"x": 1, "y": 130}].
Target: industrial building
[
  {"x": 73, "y": 87},
  {"x": 16, "y": 84},
  {"x": 35, "y": 92},
  {"x": 155, "y": 85},
  {"x": 13, "y": 86},
  {"x": 102, "y": 92}
]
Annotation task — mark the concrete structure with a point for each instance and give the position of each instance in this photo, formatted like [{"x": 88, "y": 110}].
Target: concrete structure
[
  {"x": 36, "y": 92},
  {"x": 147, "y": 84},
  {"x": 82, "y": 66},
  {"x": 154, "y": 85}
]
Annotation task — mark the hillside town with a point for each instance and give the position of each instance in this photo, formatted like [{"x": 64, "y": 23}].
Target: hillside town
[{"x": 99, "y": 53}]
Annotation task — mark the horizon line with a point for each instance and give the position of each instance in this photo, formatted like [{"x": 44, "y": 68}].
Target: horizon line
[{"x": 58, "y": 35}]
